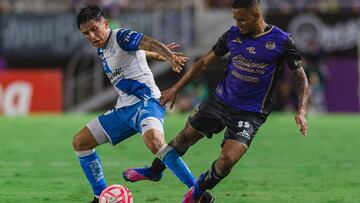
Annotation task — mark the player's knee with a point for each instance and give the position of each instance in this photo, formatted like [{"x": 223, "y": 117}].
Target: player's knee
[
  {"x": 79, "y": 144},
  {"x": 229, "y": 159},
  {"x": 76, "y": 143},
  {"x": 153, "y": 133}
]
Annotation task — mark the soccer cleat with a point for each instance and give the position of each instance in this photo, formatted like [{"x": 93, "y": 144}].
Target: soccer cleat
[
  {"x": 195, "y": 195},
  {"x": 137, "y": 174},
  {"x": 192, "y": 196},
  {"x": 201, "y": 197},
  {"x": 95, "y": 200}
]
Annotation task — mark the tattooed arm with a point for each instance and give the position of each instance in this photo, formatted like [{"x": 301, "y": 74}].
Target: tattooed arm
[
  {"x": 294, "y": 61},
  {"x": 156, "y": 56},
  {"x": 149, "y": 44},
  {"x": 302, "y": 88}
]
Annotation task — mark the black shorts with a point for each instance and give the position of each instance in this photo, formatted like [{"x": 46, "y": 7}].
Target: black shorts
[{"x": 212, "y": 116}]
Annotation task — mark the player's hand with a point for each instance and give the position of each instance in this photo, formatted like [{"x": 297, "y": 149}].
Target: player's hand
[
  {"x": 170, "y": 46},
  {"x": 301, "y": 122},
  {"x": 177, "y": 63},
  {"x": 178, "y": 59},
  {"x": 169, "y": 95}
]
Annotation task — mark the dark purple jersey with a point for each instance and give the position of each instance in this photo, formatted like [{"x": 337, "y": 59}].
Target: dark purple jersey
[{"x": 253, "y": 66}]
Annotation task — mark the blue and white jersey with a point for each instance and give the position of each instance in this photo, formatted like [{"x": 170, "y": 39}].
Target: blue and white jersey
[{"x": 127, "y": 68}]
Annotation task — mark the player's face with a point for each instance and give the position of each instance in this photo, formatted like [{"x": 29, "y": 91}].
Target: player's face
[
  {"x": 96, "y": 32},
  {"x": 246, "y": 20}
]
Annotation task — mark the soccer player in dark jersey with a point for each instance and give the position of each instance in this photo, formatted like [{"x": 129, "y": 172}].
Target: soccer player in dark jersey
[{"x": 242, "y": 101}]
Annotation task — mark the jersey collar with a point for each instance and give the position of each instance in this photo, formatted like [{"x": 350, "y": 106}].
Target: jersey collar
[
  {"x": 266, "y": 31},
  {"x": 107, "y": 41}
]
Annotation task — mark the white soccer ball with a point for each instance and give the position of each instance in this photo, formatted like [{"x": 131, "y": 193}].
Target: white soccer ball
[{"x": 116, "y": 194}]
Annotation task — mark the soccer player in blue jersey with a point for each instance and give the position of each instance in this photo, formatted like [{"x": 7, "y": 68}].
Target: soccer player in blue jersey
[
  {"x": 138, "y": 109},
  {"x": 242, "y": 101}
]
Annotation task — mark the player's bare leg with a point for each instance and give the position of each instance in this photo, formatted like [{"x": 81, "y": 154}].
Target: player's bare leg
[
  {"x": 154, "y": 140},
  {"x": 186, "y": 138},
  {"x": 231, "y": 153},
  {"x": 84, "y": 140}
]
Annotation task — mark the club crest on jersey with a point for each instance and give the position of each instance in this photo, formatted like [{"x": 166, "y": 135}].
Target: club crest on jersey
[
  {"x": 251, "y": 50},
  {"x": 270, "y": 45},
  {"x": 112, "y": 51}
]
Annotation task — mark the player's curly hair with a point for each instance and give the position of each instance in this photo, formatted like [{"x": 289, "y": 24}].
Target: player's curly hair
[
  {"x": 92, "y": 12},
  {"x": 245, "y": 3}
]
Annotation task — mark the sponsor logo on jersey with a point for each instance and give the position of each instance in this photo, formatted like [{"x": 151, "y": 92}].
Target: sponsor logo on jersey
[
  {"x": 270, "y": 45},
  {"x": 128, "y": 36}
]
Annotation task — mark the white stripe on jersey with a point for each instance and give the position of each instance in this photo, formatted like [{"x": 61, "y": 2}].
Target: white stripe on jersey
[{"x": 128, "y": 72}]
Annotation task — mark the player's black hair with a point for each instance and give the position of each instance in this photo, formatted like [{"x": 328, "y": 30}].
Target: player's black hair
[
  {"x": 244, "y": 3},
  {"x": 92, "y": 12}
]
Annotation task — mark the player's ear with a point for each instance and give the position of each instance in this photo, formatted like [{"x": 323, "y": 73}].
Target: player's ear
[{"x": 106, "y": 23}]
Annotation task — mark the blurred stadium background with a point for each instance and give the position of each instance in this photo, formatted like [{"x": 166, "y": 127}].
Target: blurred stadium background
[
  {"x": 41, "y": 36},
  {"x": 46, "y": 66}
]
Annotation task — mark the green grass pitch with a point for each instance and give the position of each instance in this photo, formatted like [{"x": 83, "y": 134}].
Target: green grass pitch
[{"x": 38, "y": 165}]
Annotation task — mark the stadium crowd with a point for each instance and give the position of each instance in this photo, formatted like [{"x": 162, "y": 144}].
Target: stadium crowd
[
  {"x": 289, "y": 6},
  {"x": 18, "y": 6},
  {"x": 272, "y": 6},
  {"x": 315, "y": 68}
]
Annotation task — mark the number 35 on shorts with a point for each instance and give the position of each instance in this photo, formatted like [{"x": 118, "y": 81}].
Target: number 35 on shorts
[{"x": 243, "y": 124}]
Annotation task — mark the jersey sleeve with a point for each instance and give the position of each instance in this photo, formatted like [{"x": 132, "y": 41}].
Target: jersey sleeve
[
  {"x": 220, "y": 48},
  {"x": 292, "y": 55},
  {"x": 129, "y": 40}
]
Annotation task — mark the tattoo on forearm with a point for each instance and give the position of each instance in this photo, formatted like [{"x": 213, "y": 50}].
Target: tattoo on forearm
[
  {"x": 161, "y": 49},
  {"x": 302, "y": 87}
]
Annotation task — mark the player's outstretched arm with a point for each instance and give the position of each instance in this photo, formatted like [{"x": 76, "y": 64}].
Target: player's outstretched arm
[
  {"x": 156, "y": 56},
  {"x": 150, "y": 44},
  {"x": 302, "y": 88},
  {"x": 195, "y": 71}
]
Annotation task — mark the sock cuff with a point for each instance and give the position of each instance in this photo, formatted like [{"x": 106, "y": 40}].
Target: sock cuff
[
  {"x": 163, "y": 151},
  {"x": 81, "y": 154}
]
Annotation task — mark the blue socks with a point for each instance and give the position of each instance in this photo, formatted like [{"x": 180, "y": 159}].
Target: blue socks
[
  {"x": 172, "y": 160},
  {"x": 91, "y": 165}
]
